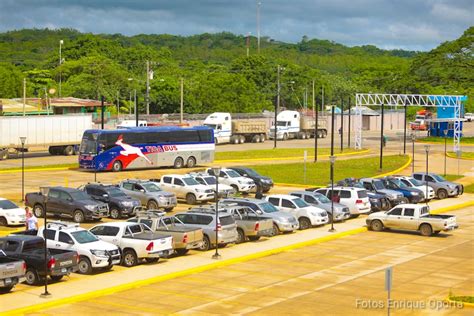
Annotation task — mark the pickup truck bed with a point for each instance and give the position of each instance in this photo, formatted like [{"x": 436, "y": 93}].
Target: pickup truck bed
[{"x": 12, "y": 271}]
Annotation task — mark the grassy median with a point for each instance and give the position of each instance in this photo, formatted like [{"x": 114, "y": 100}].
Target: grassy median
[
  {"x": 464, "y": 155},
  {"x": 318, "y": 173},
  {"x": 277, "y": 153}
]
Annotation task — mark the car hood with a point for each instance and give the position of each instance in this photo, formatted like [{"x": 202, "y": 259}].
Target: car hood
[
  {"x": 125, "y": 198},
  {"x": 16, "y": 211},
  {"x": 161, "y": 193},
  {"x": 244, "y": 180},
  {"x": 390, "y": 192},
  {"x": 89, "y": 202},
  {"x": 338, "y": 207},
  {"x": 373, "y": 195},
  {"x": 101, "y": 245},
  {"x": 314, "y": 209}
]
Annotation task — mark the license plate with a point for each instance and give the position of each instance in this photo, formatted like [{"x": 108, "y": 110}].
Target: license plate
[
  {"x": 8, "y": 281},
  {"x": 63, "y": 270}
]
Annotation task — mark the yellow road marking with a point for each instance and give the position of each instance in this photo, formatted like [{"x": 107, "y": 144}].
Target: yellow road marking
[
  {"x": 396, "y": 170},
  {"x": 453, "y": 155}
]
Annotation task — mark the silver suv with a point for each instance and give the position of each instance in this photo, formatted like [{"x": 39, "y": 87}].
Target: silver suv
[
  {"x": 149, "y": 194},
  {"x": 226, "y": 227},
  {"x": 341, "y": 212}
]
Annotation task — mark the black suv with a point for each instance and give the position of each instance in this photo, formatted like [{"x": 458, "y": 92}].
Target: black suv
[
  {"x": 262, "y": 182},
  {"x": 119, "y": 203}
]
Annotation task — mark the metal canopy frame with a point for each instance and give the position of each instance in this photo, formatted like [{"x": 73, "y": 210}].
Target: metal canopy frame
[{"x": 377, "y": 99}]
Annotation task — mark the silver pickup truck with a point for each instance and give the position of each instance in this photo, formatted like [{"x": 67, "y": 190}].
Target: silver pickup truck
[
  {"x": 411, "y": 217},
  {"x": 12, "y": 272}
]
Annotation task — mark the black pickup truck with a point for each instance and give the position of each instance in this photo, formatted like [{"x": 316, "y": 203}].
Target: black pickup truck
[
  {"x": 31, "y": 250},
  {"x": 72, "y": 203}
]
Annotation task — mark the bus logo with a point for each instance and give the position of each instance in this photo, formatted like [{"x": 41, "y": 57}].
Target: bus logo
[{"x": 131, "y": 150}]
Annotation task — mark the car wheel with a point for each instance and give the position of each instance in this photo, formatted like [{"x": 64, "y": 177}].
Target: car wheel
[
  {"x": 206, "y": 244},
  {"x": 56, "y": 278},
  {"x": 85, "y": 266},
  {"x": 178, "y": 163},
  {"x": 117, "y": 166},
  {"x": 275, "y": 230},
  {"x": 442, "y": 194},
  {"x": 405, "y": 200},
  {"x": 78, "y": 216},
  {"x": 3, "y": 221},
  {"x": 38, "y": 210},
  {"x": 152, "y": 205},
  {"x": 152, "y": 260},
  {"x": 190, "y": 198},
  {"x": 115, "y": 213},
  {"x": 129, "y": 258},
  {"x": 304, "y": 223},
  {"x": 6, "y": 289},
  {"x": 376, "y": 225},
  {"x": 68, "y": 150},
  {"x": 254, "y": 238},
  {"x": 31, "y": 277},
  {"x": 285, "y": 136},
  {"x": 191, "y": 162},
  {"x": 235, "y": 187},
  {"x": 182, "y": 252},
  {"x": 240, "y": 236},
  {"x": 426, "y": 230},
  {"x": 4, "y": 154}
]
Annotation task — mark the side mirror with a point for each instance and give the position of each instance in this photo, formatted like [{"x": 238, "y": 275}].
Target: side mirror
[
  {"x": 142, "y": 191},
  {"x": 105, "y": 196}
]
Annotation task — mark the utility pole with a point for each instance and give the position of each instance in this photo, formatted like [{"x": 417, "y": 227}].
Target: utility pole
[
  {"x": 277, "y": 106},
  {"x": 182, "y": 102},
  {"x": 61, "y": 42},
  {"x": 130, "y": 104},
  {"x": 315, "y": 111},
  {"x": 135, "y": 106},
  {"x": 24, "y": 95},
  {"x": 118, "y": 105},
  {"x": 322, "y": 98},
  {"x": 349, "y": 123},
  {"x": 342, "y": 124},
  {"x": 258, "y": 26},
  {"x": 248, "y": 44},
  {"x": 147, "y": 95}
]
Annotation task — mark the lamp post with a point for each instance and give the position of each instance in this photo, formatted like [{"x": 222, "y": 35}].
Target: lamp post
[
  {"x": 277, "y": 106},
  {"x": 22, "y": 140},
  {"x": 45, "y": 191},
  {"x": 217, "y": 171},
  {"x": 332, "y": 159},
  {"x": 413, "y": 137},
  {"x": 427, "y": 151},
  {"x": 445, "y": 134},
  {"x": 61, "y": 42}
]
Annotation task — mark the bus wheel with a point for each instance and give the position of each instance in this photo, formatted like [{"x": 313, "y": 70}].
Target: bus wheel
[
  {"x": 117, "y": 166},
  {"x": 191, "y": 162},
  {"x": 178, "y": 163},
  {"x": 68, "y": 150}
]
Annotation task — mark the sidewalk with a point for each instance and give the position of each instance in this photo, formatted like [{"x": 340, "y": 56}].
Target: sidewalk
[{"x": 123, "y": 278}]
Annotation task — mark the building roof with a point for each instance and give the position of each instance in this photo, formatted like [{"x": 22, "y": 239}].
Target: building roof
[{"x": 71, "y": 102}]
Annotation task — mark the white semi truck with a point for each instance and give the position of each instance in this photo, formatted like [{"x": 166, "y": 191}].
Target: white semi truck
[
  {"x": 236, "y": 132},
  {"x": 59, "y": 134},
  {"x": 292, "y": 124}
]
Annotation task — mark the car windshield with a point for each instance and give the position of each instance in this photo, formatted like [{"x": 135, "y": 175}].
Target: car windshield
[
  {"x": 438, "y": 178},
  {"x": 415, "y": 182},
  {"x": 321, "y": 198},
  {"x": 233, "y": 174},
  {"x": 209, "y": 180},
  {"x": 399, "y": 183},
  {"x": 115, "y": 192},
  {"x": 379, "y": 185},
  {"x": 251, "y": 172},
  {"x": 267, "y": 207},
  {"x": 151, "y": 187},
  {"x": 7, "y": 205},
  {"x": 300, "y": 202},
  {"x": 84, "y": 237},
  {"x": 79, "y": 195},
  {"x": 190, "y": 181},
  {"x": 213, "y": 126}
]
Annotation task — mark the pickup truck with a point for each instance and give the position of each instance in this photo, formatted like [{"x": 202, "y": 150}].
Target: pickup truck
[
  {"x": 93, "y": 253},
  {"x": 149, "y": 194},
  {"x": 250, "y": 225},
  {"x": 210, "y": 181},
  {"x": 185, "y": 187},
  {"x": 378, "y": 186},
  {"x": 442, "y": 187},
  {"x": 234, "y": 179},
  {"x": 413, "y": 195},
  {"x": 136, "y": 241},
  {"x": 12, "y": 272},
  {"x": 31, "y": 250},
  {"x": 411, "y": 217},
  {"x": 72, "y": 203},
  {"x": 184, "y": 237}
]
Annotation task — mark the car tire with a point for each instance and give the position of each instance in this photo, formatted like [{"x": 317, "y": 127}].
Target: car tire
[
  {"x": 240, "y": 236},
  {"x": 4, "y": 154},
  {"x": 38, "y": 210},
  {"x": 115, "y": 213},
  {"x": 129, "y": 258},
  {"x": 305, "y": 223},
  {"x": 405, "y": 200},
  {"x": 78, "y": 216},
  {"x": 6, "y": 289},
  {"x": 178, "y": 163},
  {"x": 182, "y": 252},
  {"x": 152, "y": 205},
  {"x": 426, "y": 230},
  {"x": 190, "y": 198},
  {"x": 376, "y": 225},
  {"x": 206, "y": 244},
  {"x": 285, "y": 136},
  {"x": 3, "y": 221},
  {"x": 56, "y": 278},
  {"x": 117, "y": 166},
  {"x": 152, "y": 260},
  {"x": 275, "y": 230},
  {"x": 191, "y": 162},
  {"x": 107, "y": 268},
  {"x": 84, "y": 265},
  {"x": 31, "y": 277},
  {"x": 442, "y": 194},
  {"x": 236, "y": 188},
  {"x": 254, "y": 238},
  {"x": 68, "y": 150}
]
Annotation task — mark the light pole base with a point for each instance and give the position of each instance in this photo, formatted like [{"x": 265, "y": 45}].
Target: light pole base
[
  {"x": 331, "y": 230},
  {"x": 216, "y": 256},
  {"x": 45, "y": 295}
]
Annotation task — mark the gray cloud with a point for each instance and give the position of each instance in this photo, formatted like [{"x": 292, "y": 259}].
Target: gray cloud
[{"x": 407, "y": 24}]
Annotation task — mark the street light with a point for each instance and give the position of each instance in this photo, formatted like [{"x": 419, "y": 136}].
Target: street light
[
  {"x": 332, "y": 159},
  {"x": 413, "y": 138},
  {"x": 22, "y": 140},
  {"x": 217, "y": 171},
  {"x": 427, "y": 151},
  {"x": 45, "y": 191},
  {"x": 445, "y": 134}
]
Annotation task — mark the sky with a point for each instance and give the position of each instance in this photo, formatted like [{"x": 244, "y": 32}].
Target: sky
[{"x": 389, "y": 24}]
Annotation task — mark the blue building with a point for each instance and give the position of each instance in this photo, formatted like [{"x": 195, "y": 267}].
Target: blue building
[{"x": 446, "y": 117}]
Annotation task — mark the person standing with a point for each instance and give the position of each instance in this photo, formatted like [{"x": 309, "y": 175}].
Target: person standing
[{"x": 31, "y": 222}]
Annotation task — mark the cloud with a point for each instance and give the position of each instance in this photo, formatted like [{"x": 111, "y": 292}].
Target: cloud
[{"x": 408, "y": 24}]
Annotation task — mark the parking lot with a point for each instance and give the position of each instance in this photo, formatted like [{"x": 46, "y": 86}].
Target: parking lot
[{"x": 336, "y": 277}]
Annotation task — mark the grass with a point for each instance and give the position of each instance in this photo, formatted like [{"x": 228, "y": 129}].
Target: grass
[
  {"x": 464, "y": 154},
  {"x": 449, "y": 140},
  {"x": 452, "y": 177},
  {"x": 317, "y": 174},
  {"x": 276, "y": 153},
  {"x": 469, "y": 188},
  {"x": 464, "y": 299}
]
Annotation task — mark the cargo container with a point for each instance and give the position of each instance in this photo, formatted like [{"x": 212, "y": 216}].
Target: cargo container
[
  {"x": 236, "y": 132},
  {"x": 292, "y": 124}
]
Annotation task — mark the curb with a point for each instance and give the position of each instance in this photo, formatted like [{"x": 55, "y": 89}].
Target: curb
[
  {"x": 38, "y": 169},
  {"x": 440, "y": 143},
  {"x": 452, "y": 207},
  {"x": 453, "y": 155},
  {"x": 464, "y": 304},
  {"x": 396, "y": 170}
]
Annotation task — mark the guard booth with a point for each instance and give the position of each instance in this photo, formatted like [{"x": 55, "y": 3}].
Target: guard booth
[{"x": 446, "y": 118}]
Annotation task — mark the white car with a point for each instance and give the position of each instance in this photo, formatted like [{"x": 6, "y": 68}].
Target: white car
[
  {"x": 356, "y": 199},
  {"x": 210, "y": 181},
  {"x": 93, "y": 252},
  {"x": 234, "y": 179},
  {"x": 413, "y": 183},
  {"x": 306, "y": 214},
  {"x": 185, "y": 187},
  {"x": 11, "y": 214},
  {"x": 469, "y": 116}
]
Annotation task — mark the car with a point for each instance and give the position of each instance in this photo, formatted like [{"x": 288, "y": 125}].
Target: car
[
  {"x": 413, "y": 183},
  {"x": 226, "y": 227},
  {"x": 234, "y": 179},
  {"x": 149, "y": 194},
  {"x": 469, "y": 116},
  {"x": 210, "y": 181},
  {"x": 412, "y": 195},
  {"x": 120, "y": 204},
  {"x": 306, "y": 214},
  {"x": 263, "y": 183},
  {"x": 136, "y": 241},
  {"x": 185, "y": 187},
  {"x": 356, "y": 199},
  {"x": 442, "y": 187},
  {"x": 378, "y": 201},
  {"x": 11, "y": 214},
  {"x": 94, "y": 254},
  {"x": 414, "y": 217},
  {"x": 282, "y": 222},
  {"x": 341, "y": 212},
  {"x": 378, "y": 186}
]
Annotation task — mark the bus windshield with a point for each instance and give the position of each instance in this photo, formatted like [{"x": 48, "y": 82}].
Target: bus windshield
[{"x": 88, "y": 144}]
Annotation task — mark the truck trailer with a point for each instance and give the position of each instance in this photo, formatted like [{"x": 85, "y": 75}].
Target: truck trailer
[
  {"x": 59, "y": 134},
  {"x": 292, "y": 124},
  {"x": 236, "y": 132}
]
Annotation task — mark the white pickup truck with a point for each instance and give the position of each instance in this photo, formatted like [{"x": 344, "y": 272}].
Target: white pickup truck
[
  {"x": 185, "y": 187},
  {"x": 234, "y": 179},
  {"x": 136, "y": 241},
  {"x": 93, "y": 253},
  {"x": 411, "y": 217}
]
